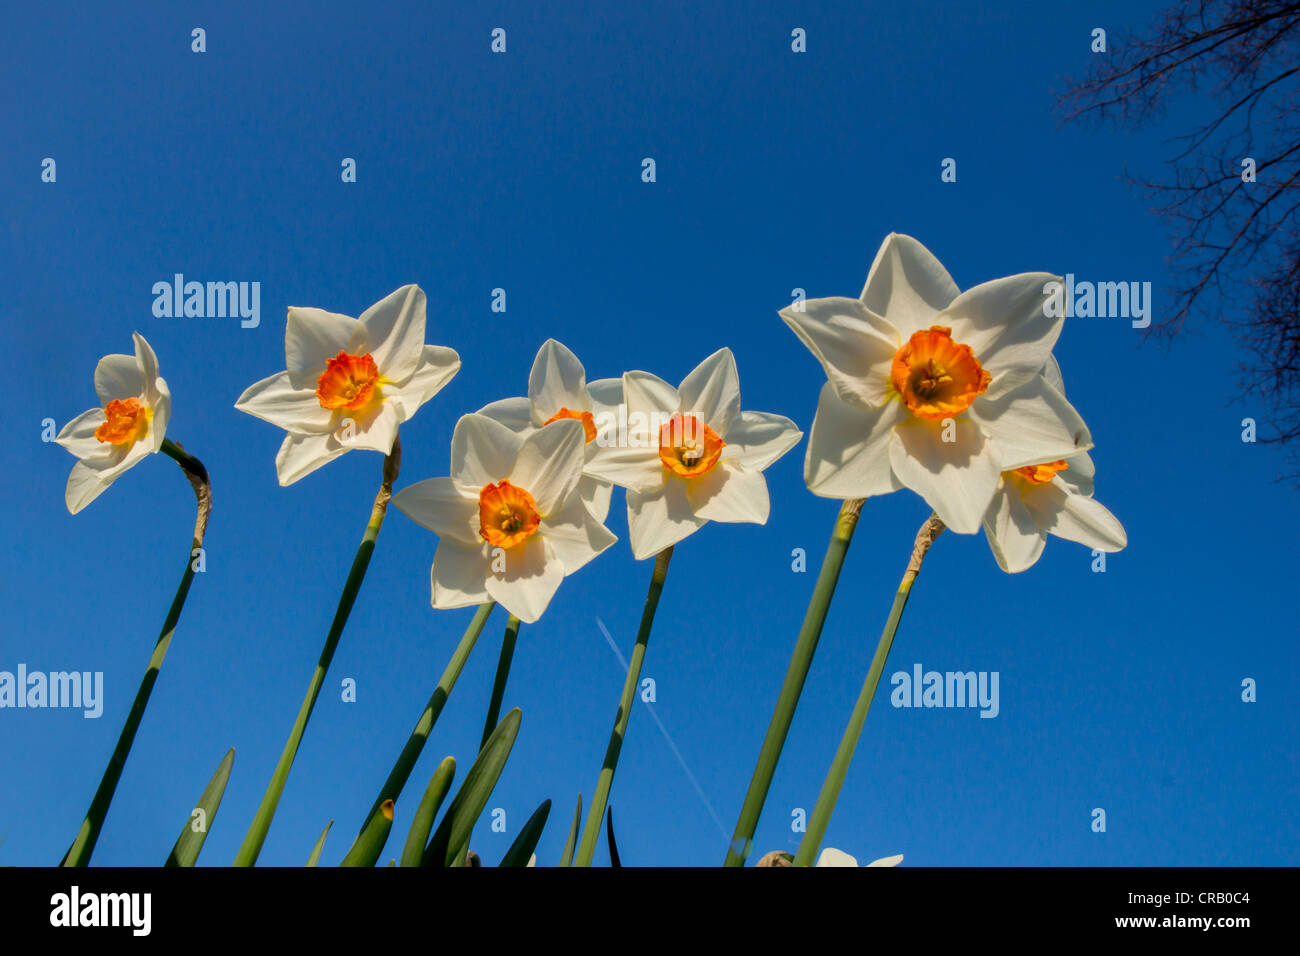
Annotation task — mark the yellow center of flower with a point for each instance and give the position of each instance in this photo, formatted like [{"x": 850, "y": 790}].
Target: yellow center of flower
[
  {"x": 688, "y": 447},
  {"x": 587, "y": 419},
  {"x": 936, "y": 377},
  {"x": 1041, "y": 474},
  {"x": 349, "y": 382},
  {"x": 507, "y": 515},
  {"x": 126, "y": 420}
]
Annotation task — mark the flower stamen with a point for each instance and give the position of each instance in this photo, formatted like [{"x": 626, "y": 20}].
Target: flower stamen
[{"x": 688, "y": 447}]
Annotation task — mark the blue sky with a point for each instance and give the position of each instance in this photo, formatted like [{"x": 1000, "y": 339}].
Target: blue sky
[{"x": 775, "y": 170}]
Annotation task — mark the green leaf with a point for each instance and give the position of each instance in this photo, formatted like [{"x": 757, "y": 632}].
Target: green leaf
[
  {"x": 451, "y": 840},
  {"x": 370, "y": 841},
  {"x": 320, "y": 845},
  {"x": 609, "y": 832},
  {"x": 190, "y": 842},
  {"x": 572, "y": 843},
  {"x": 434, "y": 794},
  {"x": 522, "y": 849}
]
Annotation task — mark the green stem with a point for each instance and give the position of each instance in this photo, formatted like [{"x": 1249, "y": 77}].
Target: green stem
[
  {"x": 830, "y": 792},
  {"x": 591, "y": 833},
  {"x": 84, "y": 845},
  {"x": 364, "y": 852},
  {"x": 742, "y": 841},
  {"x": 503, "y": 673},
  {"x": 256, "y": 836}
]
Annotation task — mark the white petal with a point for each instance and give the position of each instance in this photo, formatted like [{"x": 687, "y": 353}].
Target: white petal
[
  {"x": 1015, "y": 540},
  {"x": 711, "y": 392},
  {"x": 833, "y": 857},
  {"x": 511, "y": 412},
  {"x": 636, "y": 469},
  {"x": 575, "y": 536},
  {"x": 311, "y": 338},
  {"x": 438, "y": 366},
  {"x": 147, "y": 364},
  {"x": 757, "y": 439},
  {"x": 1006, "y": 326},
  {"x": 84, "y": 486},
  {"x": 275, "y": 400},
  {"x": 957, "y": 479},
  {"x": 482, "y": 451},
  {"x": 458, "y": 577},
  {"x": 605, "y": 394},
  {"x": 300, "y": 455},
  {"x": 1074, "y": 517},
  {"x": 394, "y": 329},
  {"x": 162, "y": 413},
  {"x": 848, "y": 448},
  {"x": 650, "y": 396},
  {"x": 658, "y": 519},
  {"x": 549, "y": 464},
  {"x": 531, "y": 577},
  {"x": 117, "y": 377},
  {"x": 374, "y": 428},
  {"x": 595, "y": 495},
  {"x": 78, "y": 436},
  {"x": 1052, "y": 372},
  {"x": 1079, "y": 473},
  {"x": 557, "y": 381},
  {"x": 729, "y": 492},
  {"x": 907, "y": 285},
  {"x": 1031, "y": 425},
  {"x": 854, "y": 346},
  {"x": 443, "y": 507},
  {"x": 887, "y": 861}
]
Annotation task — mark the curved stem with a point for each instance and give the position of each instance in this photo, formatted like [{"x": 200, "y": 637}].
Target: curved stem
[
  {"x": 256, "y": 836},
  {"x": 84, "y": 845},
  {"x": 830, "y": 792},
  {"x": 742, "y": 841},
  {"x": 503, "y": 673},
  {"x": 591, "y": 833}
]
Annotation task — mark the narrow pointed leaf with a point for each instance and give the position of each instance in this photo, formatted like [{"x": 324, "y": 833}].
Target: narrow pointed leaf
[
  {"x": 572, "y": 843},
  {"x": 451, "y": 840},
  {"x": 609, "y": 832},
  {"x": 526, "y": 842},
  {"x": 320, "y": 845},
  {"x": 434, "y": 794},
  {"x": 370, "y": 842},
  {"x": 190, "y": 842}
]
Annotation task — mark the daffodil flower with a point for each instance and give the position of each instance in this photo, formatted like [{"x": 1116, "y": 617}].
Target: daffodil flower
[
  {"x": 130, "y": 422},
  {"x": 511, "y": 521},
  {"x": 558, "y": 390},
  {"x": 1049, "y": 497},
  {"x": 931, "y": 388},
  {"x": 833, "y": 857},
  {"x": 689, "y": 455},
  {"x": 349, "y": 383}
]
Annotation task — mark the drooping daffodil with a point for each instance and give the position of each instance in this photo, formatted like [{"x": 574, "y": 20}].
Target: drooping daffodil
[
  {"x": 129, "y": 423},
  {"x": 349, "y": 383},
  {"x": 558, "y": 389},
  {"x": 689, "y": 455},
  {"x": 1049, "y": 497},
  {"x": 510, "y": 519},
  {"x": 931, "y": 388}
]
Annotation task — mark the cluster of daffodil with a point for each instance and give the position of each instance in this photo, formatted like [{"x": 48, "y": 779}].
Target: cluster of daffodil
[{"x": 954, "y": 395}]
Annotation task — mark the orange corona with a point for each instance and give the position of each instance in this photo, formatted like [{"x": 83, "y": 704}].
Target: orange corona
[
  {"x": 1041, "y": 474},
  {"x": 349, "y": 382},
  {"x": 688, "y": 447},
  {"x": 125, "y": 421},
  {"x": 588, "y": 421},
  {"x": 936, "y": 377},
  {"x": 507, "y": 515}
]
